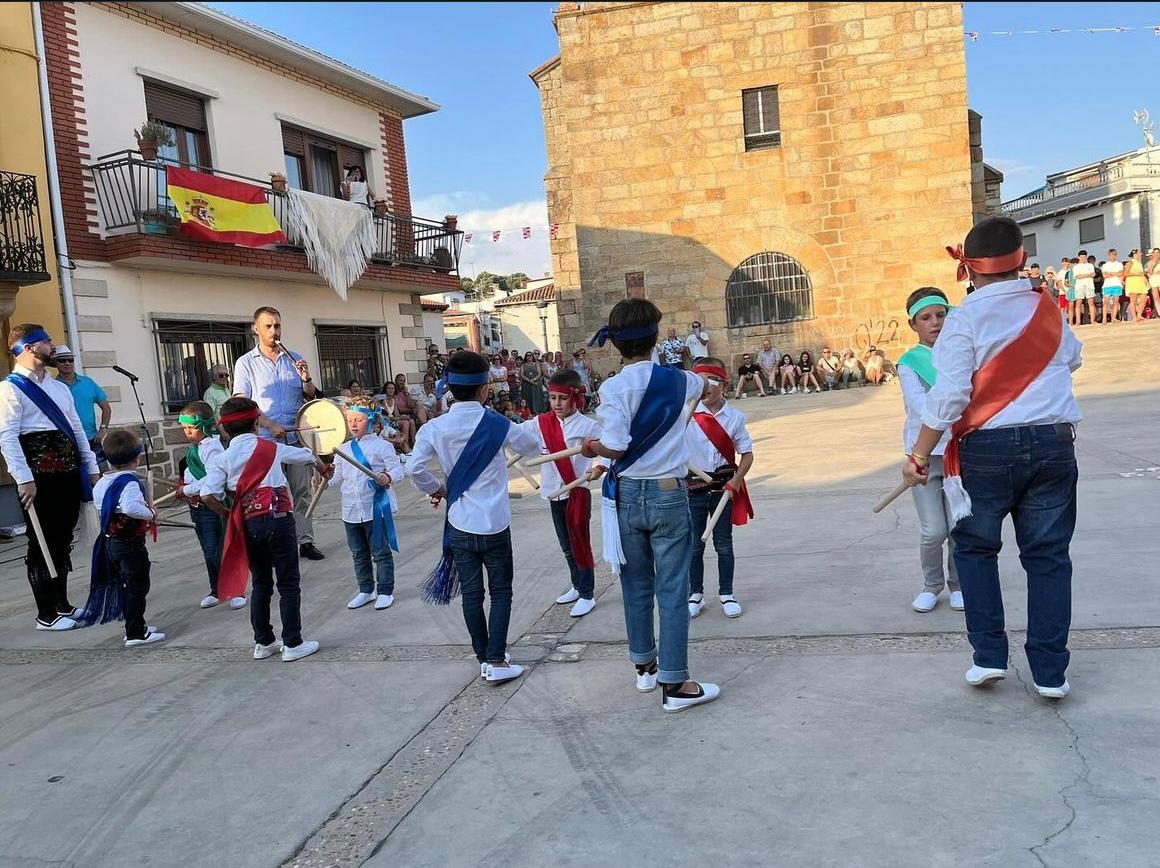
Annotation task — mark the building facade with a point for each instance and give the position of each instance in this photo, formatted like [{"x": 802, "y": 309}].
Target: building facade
[
  {"x": 241, "y": 102},
  {"x": 788, "y": 170},
  {"x": 1114, "y": 203},
  {"x": 529, "y": 318}
]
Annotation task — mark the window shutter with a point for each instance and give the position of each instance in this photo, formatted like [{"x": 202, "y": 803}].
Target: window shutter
[
  {"x": 750, "y": 112},
  {"x": 293, "y": 141},
  {"x": 174, "y": 107},
  {"x": 348, "y": 156}
]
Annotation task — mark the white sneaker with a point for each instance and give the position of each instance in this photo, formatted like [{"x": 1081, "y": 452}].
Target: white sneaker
[
  {"x": 743, "y": 396},
  {"x": 209, "y": 601},
  {"x": 507, "y": 658},
  {"x": 783, "y": 391},
  {"x": 384, "y": 601},
  {"x": 299, "y": 651},
  {"x": 805, "y": 391},
  {"x": 794, "y": 390},
  {"x": 582, "y": 608},
  {"x": 261, "y": 652},
  {"x": 957, "y": 600},
  {"x": 980, "y": 676},
  {"x": 696, "y": 604},
  {"x": 569, "y": 596},
  {"x": 151, "y": 636},
  {"x": 646, "y": 682},
  {"x": 677, "y": 702},
  {"x": 60, "y": 622},
  {"x": 359, "y": 600},
  {"x": 1054, "y": 692},
  {"x": 506, "y": 672},
  {"x": 731, "y": 607},
  {"x": 925, "y": 602},
  {"x": 237, "y": 602}
]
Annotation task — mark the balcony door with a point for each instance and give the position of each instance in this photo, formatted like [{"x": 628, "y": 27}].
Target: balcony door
[
  {"x": 317, "y": 163},
  {"x": 184, "y": 115}
]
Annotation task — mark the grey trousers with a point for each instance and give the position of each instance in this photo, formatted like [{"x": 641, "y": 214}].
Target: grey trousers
[
  {"x": 934, "y": 521},
  {"x": 299, "y": 477}
]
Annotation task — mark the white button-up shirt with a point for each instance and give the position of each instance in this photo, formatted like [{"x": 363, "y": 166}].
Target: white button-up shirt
[
  {"x": 132, "y": 500},
  {"x": 18, "y": 415},
  {"x": 577, "y": 429},
  {"x": 620, "y": 398},
  {"x": 988, "y": 320},
  {"x": 226, "y": 469},
  {"x": 209, "y": 449},
  {"x": 484, "y": 507},
  {"x": 913, "y": 400},
  {"x": 702, "y": 454},
  {"x": 358, "y": 497}
]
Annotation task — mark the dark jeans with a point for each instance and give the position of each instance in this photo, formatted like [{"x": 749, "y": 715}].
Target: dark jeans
[
  {"x": 99, "y": 452},
  {"x": 583, "y": 580},
  {"x": 130, "y": 559},
  {"x": 1030, "y": 474},
  {"x": 210, "y": 536},
  {"x": 472, "y": 553},
  {"x": 364, "y": 554},
  {"x": 272, "y": 546},
  {"x": 58, "y": 506},
  {"x": 701, "y": 506}
]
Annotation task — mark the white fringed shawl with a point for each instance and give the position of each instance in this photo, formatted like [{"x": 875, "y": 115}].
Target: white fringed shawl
[{"x": 338, "y": 236}]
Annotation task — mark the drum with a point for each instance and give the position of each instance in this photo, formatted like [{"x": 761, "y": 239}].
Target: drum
[
  {"x": 322, "y": 426},
  {"x": 720, "y": 476}
]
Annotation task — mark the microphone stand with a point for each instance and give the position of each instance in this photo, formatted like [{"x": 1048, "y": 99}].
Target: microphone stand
[{"x": 144, "y": 425}]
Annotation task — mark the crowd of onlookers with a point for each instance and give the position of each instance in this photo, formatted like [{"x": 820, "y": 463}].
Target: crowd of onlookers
[
  {"x": 771, "y": 372},
  {"x": 1107, "y": 291}
]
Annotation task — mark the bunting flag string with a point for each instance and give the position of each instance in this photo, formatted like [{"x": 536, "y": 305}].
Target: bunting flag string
[
  {"x": 975, "y": 35},
  {"x": 526, "y": 233}
]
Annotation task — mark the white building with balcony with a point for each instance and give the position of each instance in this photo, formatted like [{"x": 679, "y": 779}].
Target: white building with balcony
[{"x": 1114, "y": 203}]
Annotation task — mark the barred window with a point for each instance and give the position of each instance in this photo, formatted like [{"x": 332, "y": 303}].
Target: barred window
[
  {"x": 761, "y": 115},
  {"x": 348, "y": 353},
  {"x": 1030, "y": 245},
  {"x": 187, "y": 349},
  {"x": 768, "y": 288}
]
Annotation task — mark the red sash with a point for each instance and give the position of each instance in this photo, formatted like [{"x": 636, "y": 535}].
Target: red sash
[
  {"x": 579, "y": 509},
  {"x": 1005, "y": 376},
  {"x": 742, "y": 509},
  {"x": 235, "y": 569}
]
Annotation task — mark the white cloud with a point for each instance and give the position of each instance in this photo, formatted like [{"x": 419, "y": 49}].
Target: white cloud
[
  {"x": 1010, "y": 167},
  {"x": 511, "y": 253}
]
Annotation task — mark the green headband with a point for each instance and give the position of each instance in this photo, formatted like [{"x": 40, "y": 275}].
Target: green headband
[
  {"x": 206, "y": 424},
  {"x": 927, "y": 301}
]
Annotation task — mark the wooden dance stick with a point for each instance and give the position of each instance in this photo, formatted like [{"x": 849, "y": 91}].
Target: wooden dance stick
[
  {"x": 39, "y": 531},
  {"x": 514, "y": 460},
  {"x": 524, "y": 472},
  {"x": 165, "y": 498},
  {"x": 358, "y": 465},
  {"x": 716, "y": 516},
  {"x": 166, "y": 523},
  {"x": 701, "y": 474},
  {"x": 575, "y": 483},
  {"x": 315, "y": 499},
  {"x": 555, "y": 456},
  {"x": 888, "y": 499}
]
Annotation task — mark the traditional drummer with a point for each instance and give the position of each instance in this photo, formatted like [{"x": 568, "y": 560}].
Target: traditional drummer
[
  {"x": 278, "y": 381},
  {"x": 48, "y": 454}
]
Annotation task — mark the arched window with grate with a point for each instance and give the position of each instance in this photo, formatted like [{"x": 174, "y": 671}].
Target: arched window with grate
[{"x": 768, "y": 288}]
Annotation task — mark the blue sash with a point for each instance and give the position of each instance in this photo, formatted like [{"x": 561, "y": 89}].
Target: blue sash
[
  {"x": 384, "y": 522},
  {"x": 56, "y": 416},
  {"x": 106, "y": 600},
  {"x": 486, "y": 440},
  {"x": 661, "y": 406}
]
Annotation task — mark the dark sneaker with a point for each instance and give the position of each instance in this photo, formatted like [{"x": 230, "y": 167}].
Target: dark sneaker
[{"x": 310, "y": 552}]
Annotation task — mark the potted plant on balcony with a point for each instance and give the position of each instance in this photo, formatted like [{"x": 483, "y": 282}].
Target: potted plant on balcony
[
  {"x": 380, "y": 207},
  {"x": 278, "y": 182},
  {"x": 152, "y": 136},
  {"x": 450, "y": 222},
  {"x": 156, "y": 221}
]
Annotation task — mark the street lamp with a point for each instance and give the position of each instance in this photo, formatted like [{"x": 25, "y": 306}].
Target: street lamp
[{"x": 543, "y": 306}]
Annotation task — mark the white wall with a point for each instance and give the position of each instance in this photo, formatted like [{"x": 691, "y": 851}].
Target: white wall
[
  {"x": 135, "y": 297},
  {"x": 433, "y": 329},
  {"x": 245, "y": 136},
  {"x": 1121, "y": 231},
  {"x": 523, "y": 331}
]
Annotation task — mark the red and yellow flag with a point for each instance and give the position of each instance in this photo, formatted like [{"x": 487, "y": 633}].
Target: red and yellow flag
[{"x": 222, "y": 210}]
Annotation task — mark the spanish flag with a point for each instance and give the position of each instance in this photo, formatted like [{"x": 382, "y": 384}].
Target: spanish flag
[{"x": 222, "y": 210}]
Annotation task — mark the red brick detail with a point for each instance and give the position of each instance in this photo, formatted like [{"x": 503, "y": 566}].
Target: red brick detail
[
  {"x": 395, "y": 155},
  {"x": 78, "y": 200}
]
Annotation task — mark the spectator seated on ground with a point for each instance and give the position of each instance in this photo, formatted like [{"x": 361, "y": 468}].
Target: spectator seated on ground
[
  {"x": 853, "y": 370},
  {"x": 873, "y": 362},
  {"x": 828, "y": 369},
  {"x": 749, "y": 377}
]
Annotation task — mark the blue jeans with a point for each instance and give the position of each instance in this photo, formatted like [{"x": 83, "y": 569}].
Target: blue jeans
[
  {"x": 583, "y": 579},
  {"x": 363, "y": 552},
  {"x": 473, "y": 552},
  {"x": 210, "y": 536},
  {"x": 1029, "y": 473},
  {"x": 655, "y": 533},
  {"x": 701, "y": 506}
]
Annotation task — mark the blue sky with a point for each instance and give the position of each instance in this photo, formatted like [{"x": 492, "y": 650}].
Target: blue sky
[{"x": 482, "y": 156}]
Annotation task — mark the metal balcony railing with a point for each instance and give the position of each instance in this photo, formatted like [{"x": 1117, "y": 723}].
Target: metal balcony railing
[
  {"x": 22, "y": 257},
  {"x": 131, "y": 198}
]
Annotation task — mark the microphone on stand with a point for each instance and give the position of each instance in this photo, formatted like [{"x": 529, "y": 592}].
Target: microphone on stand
[{"x": 132, "y": 377}]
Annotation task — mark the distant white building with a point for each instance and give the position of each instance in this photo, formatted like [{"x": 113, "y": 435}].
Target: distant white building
[{"x": 1112, "y": 203}]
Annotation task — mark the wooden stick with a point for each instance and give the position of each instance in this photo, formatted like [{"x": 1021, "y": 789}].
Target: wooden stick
[
  {"x": 515, "y": 462},
  {"x": 575, "y": 483},
  {"x": 314, "y": 500},
  {"x": 165, "y": 498},
  {"x": 716, "y": 516},
  {"x": 514, "y": 459},
  {"x": 888, "y": 499},
  {"x": 184, "y": 524},
  {"x": 39, "y": 531},
  {"x": 555, "y": 456},
  {"x": 701, "y": 474},
  {"x": 356, "y": 464}
]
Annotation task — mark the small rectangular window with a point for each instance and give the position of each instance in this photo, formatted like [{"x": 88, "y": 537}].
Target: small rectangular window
[
  {"x": 1030, "y": 246},
  {"x": 1091, "y": 229},
  {"x": 188, "y": 349},
  {"x": 184, "y": 114},
  {"x": 762, "y": 118},
  {"x": 348, "y": 353}
]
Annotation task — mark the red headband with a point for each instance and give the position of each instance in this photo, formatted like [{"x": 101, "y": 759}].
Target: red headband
[
  {"x": 987, "y": 264},
  {"x": 575, "y": 393},
  {"x": 240, "y": 416},
  {"x": 711, "y": 371}
]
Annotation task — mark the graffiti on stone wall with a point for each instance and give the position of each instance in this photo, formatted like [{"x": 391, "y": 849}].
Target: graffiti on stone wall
[{"x": 873, "y": 332}]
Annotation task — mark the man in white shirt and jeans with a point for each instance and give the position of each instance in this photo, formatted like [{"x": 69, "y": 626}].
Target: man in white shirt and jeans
[
  {"x": 1084, "y": 273},
  {"x": 697, "y": 342}
]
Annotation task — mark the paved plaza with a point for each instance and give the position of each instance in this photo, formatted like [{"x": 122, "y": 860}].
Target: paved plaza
[{"x": 845, "y": 734}]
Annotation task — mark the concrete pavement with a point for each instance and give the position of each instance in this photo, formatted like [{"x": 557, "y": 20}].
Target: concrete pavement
[{"x": 845, "y": 735}]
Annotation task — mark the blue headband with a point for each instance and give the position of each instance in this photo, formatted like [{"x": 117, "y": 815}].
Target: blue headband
[
  {"x": 927, "y": 301},
  {"x": 124, "y": 457},
  {"x": 371, "y": 413},
  {"x": 28, "y": 340},
  {"x": 605, "y": 334},
  {"x": 450, "y": 378}
]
